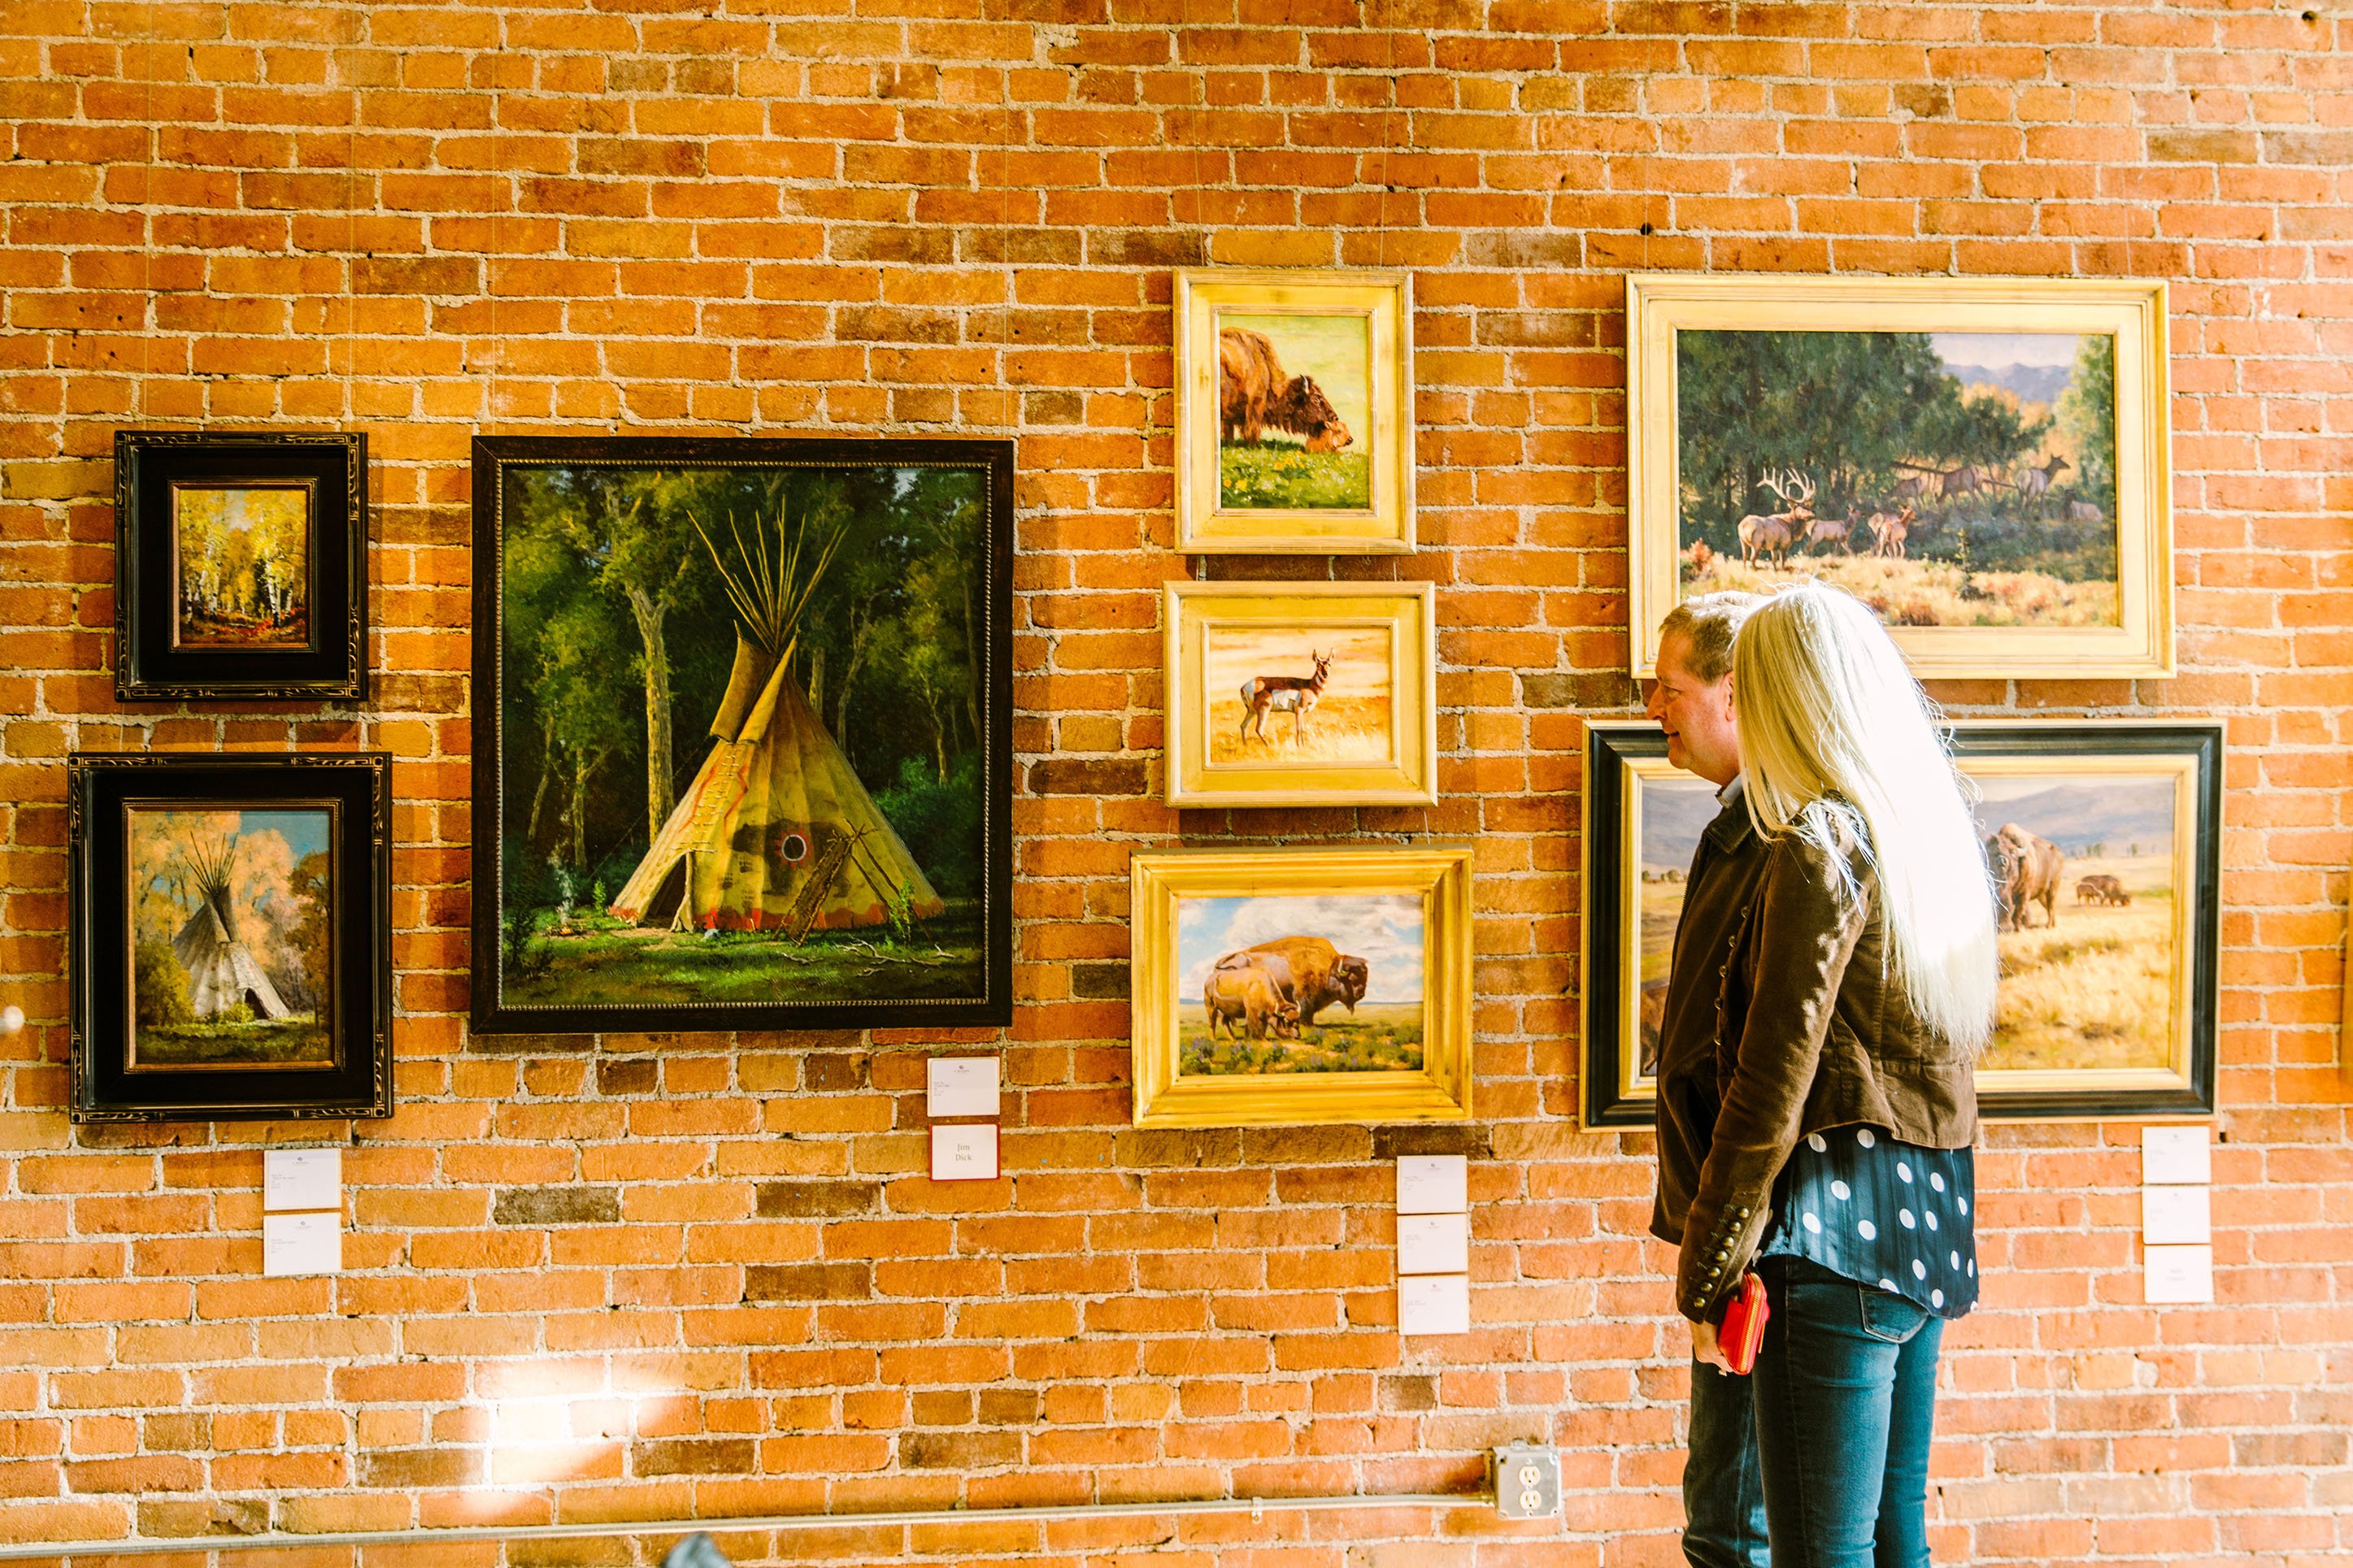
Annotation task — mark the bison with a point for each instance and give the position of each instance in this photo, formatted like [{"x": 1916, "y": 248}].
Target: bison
[
  {"x": 1255, "y": 395},
  {"x": 2026, "y": 870},
  {"x": 2101, "y": 889},
  {"x": 1653, "y": 1021},
  {"x": 1250, "y": 996},
  {"x": 1309, "y": 971}
]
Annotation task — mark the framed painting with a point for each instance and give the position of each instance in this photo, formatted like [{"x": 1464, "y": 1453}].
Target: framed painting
[
  {"x": 1301, "y": 693},
  {"x": 1982, "y": 462},
  {"x": 1294, "y": 412},
  {"x": 230, "y": 921},
  {"x": 241, "y": 565},
  {"x": 743, "y": 733},
  {"x": 1293, "y": 986},
  {"x": 2103, "y": 843}
]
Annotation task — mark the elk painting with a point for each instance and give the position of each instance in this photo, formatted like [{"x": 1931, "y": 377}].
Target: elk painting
[
  {"x": 1295, "y": 397},
  {"x": 242, "y": 567},
  {"x": 232, "y": 937},
  {"x": 1286, "y": 695},
  {"x": 1985, "y": 464},
  {"x": 1315, "y": 983}
]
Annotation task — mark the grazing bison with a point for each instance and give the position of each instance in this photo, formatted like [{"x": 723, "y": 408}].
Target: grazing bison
[
  {"x": 1250, "y": 996},
  {"x": 2101, "y": 889},
  {"x": 1310, "y": 972},
  {"x": 2026, "y": 870},
  {"x": 1254, "y": 395}
]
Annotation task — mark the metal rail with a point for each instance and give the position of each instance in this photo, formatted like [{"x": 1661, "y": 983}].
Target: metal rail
[{"x": 18, "y": 1551}]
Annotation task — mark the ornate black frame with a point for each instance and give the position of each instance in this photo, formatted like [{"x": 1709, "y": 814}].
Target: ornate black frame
[
  {"x": 97, "y": 786},
  {"x": 1607, "y": 747},
  {"x": 489, "y": 1015},
  {"x": 147, "y": 668}
]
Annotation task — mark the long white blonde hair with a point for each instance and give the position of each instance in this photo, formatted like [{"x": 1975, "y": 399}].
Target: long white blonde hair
[{"x": 1827, "y": 710}]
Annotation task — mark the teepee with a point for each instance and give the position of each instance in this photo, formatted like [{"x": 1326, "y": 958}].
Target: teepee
[
  {"x": 221, "y": 970},
  {"x": 777, "y": 832}
]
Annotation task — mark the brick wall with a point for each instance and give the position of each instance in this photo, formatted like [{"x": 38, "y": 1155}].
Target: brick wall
[{"x": 703, "y": 1275}]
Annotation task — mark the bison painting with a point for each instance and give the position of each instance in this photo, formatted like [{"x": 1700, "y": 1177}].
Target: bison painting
[
  {"x": 2102, "y": 890},
  {"x": 2027, "y": 870},
  {"x": 1309, "y": 971},
  {"x": 1255, "y": 395}
]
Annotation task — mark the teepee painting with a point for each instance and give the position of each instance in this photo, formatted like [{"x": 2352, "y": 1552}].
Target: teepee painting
[
  {"x": 749, "y": 740},
  {"x": 232, "y": 937}
]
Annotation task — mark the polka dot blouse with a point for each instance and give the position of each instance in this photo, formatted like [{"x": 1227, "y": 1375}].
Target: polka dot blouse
[{"x": 1882, "y": 1212}]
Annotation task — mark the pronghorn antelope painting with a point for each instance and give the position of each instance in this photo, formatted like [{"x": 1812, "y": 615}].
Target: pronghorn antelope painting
[
  {"x": 1298, "y": 694},
  {"x": 1265, "y": 694}
]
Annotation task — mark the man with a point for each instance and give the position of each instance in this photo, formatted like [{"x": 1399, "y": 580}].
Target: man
[{"x": 1724, "y": 1497}]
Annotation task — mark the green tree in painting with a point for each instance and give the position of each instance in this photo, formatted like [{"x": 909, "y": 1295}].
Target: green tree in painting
[{"x": 2087, "y": 412}]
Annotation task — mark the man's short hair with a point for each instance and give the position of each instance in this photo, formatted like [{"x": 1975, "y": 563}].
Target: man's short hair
[{"x": 1709, "y": 624}]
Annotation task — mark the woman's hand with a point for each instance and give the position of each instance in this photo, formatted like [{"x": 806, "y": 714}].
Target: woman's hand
[{"x": 1705, "y": 1349}]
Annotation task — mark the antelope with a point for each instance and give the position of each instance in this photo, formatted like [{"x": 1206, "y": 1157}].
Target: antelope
[
  {"x": 1263, "y": 694},
  {"x": 1771, "y": 534},
  {"x": 1888, "y": 529}
]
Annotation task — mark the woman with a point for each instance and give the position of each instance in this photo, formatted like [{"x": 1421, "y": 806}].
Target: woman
[{"x": 1854, "y": 996}]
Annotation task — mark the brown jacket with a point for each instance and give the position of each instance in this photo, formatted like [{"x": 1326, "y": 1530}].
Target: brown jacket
[
  {"x": 1814, "y": 1033},
  {"x": 1724, "y": 872}
]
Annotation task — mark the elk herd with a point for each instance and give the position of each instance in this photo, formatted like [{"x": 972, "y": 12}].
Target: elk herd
[{"x": 1767, "y": 539}]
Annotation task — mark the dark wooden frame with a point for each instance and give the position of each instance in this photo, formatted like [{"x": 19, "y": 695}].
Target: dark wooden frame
[
  {"x": 493, "y": 455},
  {"x": 147, "y": 667},
  {"x": 98, "y": 787},
  {"x": 1609, "y": 747}
]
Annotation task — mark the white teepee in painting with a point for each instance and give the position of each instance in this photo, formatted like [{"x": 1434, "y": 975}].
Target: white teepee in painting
[{"x": 222, "y": 971}]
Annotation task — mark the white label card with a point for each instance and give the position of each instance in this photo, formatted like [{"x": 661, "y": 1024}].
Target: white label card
[
  {"x": 960, "y": 1086},
  {"x": 1434, "y": 1304},
  {"x": 301, "y": 1243},
  {"x": 2178, "y": 1273},
  {"x": 302, "y": 1179},
  {"x": 965, "y": 1151},
  {"x": 1434, "y": 1244},
  {"x": 2170, "y": 1156},
  {"x": 1433, "y": 1183},
  {"x": 2177, "y": 1215}
]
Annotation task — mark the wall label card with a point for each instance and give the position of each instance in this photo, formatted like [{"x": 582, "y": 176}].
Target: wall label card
[
  {"x": 2170, "y": 1214},
  {"x": 964, "y": 1151},
  {"x": 1433, "y": 1183},
  {"x": 302, "y": 1179},
  {"x": 2174, "y": 1155},
  {"x": 961, "y": 1086},
  {"x": 2178, "y": 1273},
  {"x": 302, "y": 1243},
  {"x": 1434, "y": 1304},
  {"x": 1434, "y": 1244}
]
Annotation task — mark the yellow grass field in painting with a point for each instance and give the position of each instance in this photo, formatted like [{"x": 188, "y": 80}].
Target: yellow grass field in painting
[
  {"x": 2095, "y": 991},
  {"x": 1354, "y": 721},
  {"x": 1382, "y": 1037},
  {"x": 1916, "y": 592}
]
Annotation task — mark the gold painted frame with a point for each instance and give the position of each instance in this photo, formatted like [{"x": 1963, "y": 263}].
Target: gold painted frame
[
  {"x": 1190, "y": 611},
  {"x": 1439, "y": 874},
  {"x": 1659, "y": 305},
  {"x": 1204, "y": 525}
]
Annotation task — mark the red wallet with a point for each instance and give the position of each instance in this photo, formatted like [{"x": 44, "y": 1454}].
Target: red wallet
[{"x": 1744, "y": 1325}]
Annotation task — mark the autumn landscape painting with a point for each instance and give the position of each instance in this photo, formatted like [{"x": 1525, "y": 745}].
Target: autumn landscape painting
[{"x": 242, "y": 557}]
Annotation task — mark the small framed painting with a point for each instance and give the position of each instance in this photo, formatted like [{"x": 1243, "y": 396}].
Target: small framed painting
[
  {"x": 231, "y": 936},
  {"x": 1302, "y": 693},
  {"x": 1982, "y": 462},
  {"x": 241, "y": 565},
  {"x": 2103, "y": 843},
  {"x": 1298, "y": 986},
  {"x": 1294, "y": 412}
]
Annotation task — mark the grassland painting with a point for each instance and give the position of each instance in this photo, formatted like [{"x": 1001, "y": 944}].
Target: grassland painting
[
  {"x": 242, "y": 557},
  {"x": 1284, "y": 696},
  {"x": 742, "y": 733},
  {"x": 1283, "y": 985},
  {"x": 2085, "y": 878},
  {"x": 232, "y": 937},
  {"x": 1947, "y": 479},
  {"x": 1675, "y": 810},
  {"x": 1295, "y": 411}
]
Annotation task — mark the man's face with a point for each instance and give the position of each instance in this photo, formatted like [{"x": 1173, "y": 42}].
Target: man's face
[{"x": 1697, "y": 716}]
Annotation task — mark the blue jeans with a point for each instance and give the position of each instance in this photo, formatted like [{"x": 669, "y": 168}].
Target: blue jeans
[
  {"x": 1846, "y": 1390},
  {"x": 1723, "y": 1496}
]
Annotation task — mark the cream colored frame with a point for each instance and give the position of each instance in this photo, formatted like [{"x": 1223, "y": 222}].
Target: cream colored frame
[
  {"x": 1386, "y": 299},
  {"x": 1189, "y": 610},
  {"x": 1658, "y": 305},
  {"x": 1439, "y": 874}
]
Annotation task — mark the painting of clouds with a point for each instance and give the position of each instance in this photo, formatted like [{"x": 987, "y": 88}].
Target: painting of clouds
[{"x": 1329, "y": 983}]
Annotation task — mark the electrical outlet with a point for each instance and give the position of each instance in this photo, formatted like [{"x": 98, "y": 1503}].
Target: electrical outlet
[{"x": 1527, "y": 1481}]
